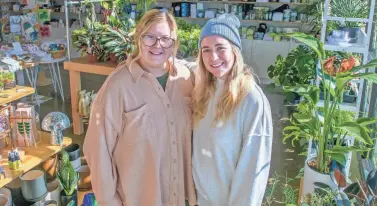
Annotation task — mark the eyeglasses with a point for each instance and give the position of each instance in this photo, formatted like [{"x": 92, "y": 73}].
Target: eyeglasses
[{"x": 165, "y": 42}]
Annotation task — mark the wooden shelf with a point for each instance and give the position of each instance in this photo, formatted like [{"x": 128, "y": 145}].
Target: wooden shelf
[
  {"x": 16, "y": 93},
  {"x": 233, "y": 2},
  {"x": 253, "y": 21},
  {"x": 81, "y": 64},
  {"x": 33, "y": 157}
]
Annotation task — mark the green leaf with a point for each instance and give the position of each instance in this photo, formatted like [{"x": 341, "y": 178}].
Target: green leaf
[
  {"x": 364, "y": 121},
  {"x": 371, "y": 64},
  {"x": 339, "y": 157},
  {"x": 356, "y": 130},
  {"x": 372, "y": 77},
  {"x": 302, "y": 118},
  {"x": 309, "y": 40}
]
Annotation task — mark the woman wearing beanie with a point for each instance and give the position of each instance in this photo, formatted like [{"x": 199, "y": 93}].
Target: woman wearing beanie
[
  {"x": 232, "y": 121},
  {"x": 138, "y": 144}
]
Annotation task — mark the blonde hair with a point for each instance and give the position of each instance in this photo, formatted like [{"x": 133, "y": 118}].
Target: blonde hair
[
  {"x": 237, "y": 85},
  {"x": 150, "y": 18}
]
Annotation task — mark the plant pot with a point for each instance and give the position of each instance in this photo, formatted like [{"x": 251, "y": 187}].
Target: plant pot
[
  {"x": 50, "y": 203},
  {"x": 74, "y": 152},
  {"x": 9, "y": 84},
  {"x": 33, "y": 185},
  {"x": 7, "y": 193},
  {"x": 92, "y": 58},
  {"x": 348, "y": 142},
  {"x": 65, "y": 200},
  {"x": 54, "y": 190},
  {"x": 50, "y": 167},
  {"x": 311, "y": 176},
  {"x": 113, "y": 58},
  {"x": 20, "y": 201},
  {"x": 84, "y": 183}
]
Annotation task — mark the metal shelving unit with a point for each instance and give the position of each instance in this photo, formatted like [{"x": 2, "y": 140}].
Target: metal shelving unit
[
  {"x": 234, "y": 2},
  {"x": 353, "y": 48}
]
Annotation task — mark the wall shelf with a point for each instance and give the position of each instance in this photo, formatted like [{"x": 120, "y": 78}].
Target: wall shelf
[
  {"x": 233, "y": 2},
  {"x": 253, "y": 21}
]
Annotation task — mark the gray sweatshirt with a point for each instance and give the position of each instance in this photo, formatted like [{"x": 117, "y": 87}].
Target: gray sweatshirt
[{"x": 231, "y": 161}]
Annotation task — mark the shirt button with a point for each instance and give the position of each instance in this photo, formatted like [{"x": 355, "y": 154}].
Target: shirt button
[
  {"x": 174, "y": 160},
  {"x": 174, "y": 178},
  {"x": 171, "y": 123},
  {"x": 173, "y": 142},
  {"x": 175, "y": 194},
  {"x": 168, "y": 105}
]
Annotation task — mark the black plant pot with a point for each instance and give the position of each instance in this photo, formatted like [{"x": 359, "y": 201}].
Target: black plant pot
[{"x": 66, "y": 200}]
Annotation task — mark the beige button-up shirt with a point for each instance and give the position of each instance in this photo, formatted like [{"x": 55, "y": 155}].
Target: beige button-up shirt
[{"x": 138, "y": 144}]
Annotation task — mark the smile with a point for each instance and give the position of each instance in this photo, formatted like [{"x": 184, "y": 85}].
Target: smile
[{"x": 155, "y": 53}]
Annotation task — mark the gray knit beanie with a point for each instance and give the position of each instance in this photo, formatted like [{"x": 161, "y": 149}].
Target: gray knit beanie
[{"x": 226, "y": 26}]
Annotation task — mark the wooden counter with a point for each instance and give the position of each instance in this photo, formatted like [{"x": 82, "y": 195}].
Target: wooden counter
[
  {"x": 15, "y": 93},
  {"x": 33, "y": 157},
  {"x": 75, "y": 67}
]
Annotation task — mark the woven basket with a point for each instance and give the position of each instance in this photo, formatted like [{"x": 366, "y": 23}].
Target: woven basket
[{"x": 57, "y": 54}]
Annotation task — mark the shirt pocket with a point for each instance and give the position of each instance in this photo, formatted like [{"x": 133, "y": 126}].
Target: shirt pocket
[
  {"x": 139, "y": 125},
  {"x": 187, "y": 104}
]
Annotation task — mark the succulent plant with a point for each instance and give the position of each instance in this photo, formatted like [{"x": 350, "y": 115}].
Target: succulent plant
[{"x": 67, "y": 176}]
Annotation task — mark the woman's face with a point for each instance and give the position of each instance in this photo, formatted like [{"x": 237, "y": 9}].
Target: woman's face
[
  {"x": 156, "y": 45},
  {"x": 217, "y": 55}
]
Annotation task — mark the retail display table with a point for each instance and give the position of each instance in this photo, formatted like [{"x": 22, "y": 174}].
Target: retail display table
[
  {"x": 10, "y": 95},
  {"x": 33, "y": 157},
  {"x": 75, "y": 67}
]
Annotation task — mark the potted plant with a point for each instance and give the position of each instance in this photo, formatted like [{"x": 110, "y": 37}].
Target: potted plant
[
  {"x": 188, "y": 35},
  {"x": 299, "y": 67},
  {"x": 68, "y": 179},
  {"x": 328, "y": 135},
  {"x": 117, "y": 42},
  {"x": 86, "y": 39}
]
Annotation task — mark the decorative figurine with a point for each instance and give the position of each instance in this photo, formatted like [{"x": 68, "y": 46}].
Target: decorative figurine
[{"x": 56, "y": 122}]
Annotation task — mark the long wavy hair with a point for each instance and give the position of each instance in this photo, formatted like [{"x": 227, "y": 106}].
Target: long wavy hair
[
  {"x": 237, "y": 85},
  {"x": 150, "y": 18}
]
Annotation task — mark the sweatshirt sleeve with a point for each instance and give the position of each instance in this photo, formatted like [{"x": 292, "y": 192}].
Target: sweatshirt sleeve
[
  {"x": 100, "y": 141},
  {"x": 252, "y": 170}
]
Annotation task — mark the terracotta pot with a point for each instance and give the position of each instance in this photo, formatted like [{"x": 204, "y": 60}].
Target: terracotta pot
[
  {"x": 50, "y": 167},
  {"x": 92, "y": 58},
  {"x": 113, "y": 58},
  {"x": 85, "y": 182}
]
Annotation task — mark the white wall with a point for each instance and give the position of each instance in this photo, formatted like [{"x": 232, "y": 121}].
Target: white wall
[{"x": 261, "y": 54}]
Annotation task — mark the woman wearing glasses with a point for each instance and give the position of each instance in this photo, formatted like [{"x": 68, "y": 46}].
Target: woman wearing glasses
[{"x": 138, "y": 144}]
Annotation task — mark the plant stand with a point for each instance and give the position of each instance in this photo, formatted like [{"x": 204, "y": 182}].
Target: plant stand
[{"x": 75, "y": 67}]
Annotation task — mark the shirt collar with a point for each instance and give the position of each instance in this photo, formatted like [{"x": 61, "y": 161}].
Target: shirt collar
[{"x": 136, "y": 70}]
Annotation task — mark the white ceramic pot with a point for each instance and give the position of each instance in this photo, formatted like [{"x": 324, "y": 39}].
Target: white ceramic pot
[
  {"x": 7, "y": 193},
  {"x": 4, "y": 201},
  {"x": 349, "y": 142},
  {"x": 311, "y": 176},
  {"x": 53, "y": 189}
]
